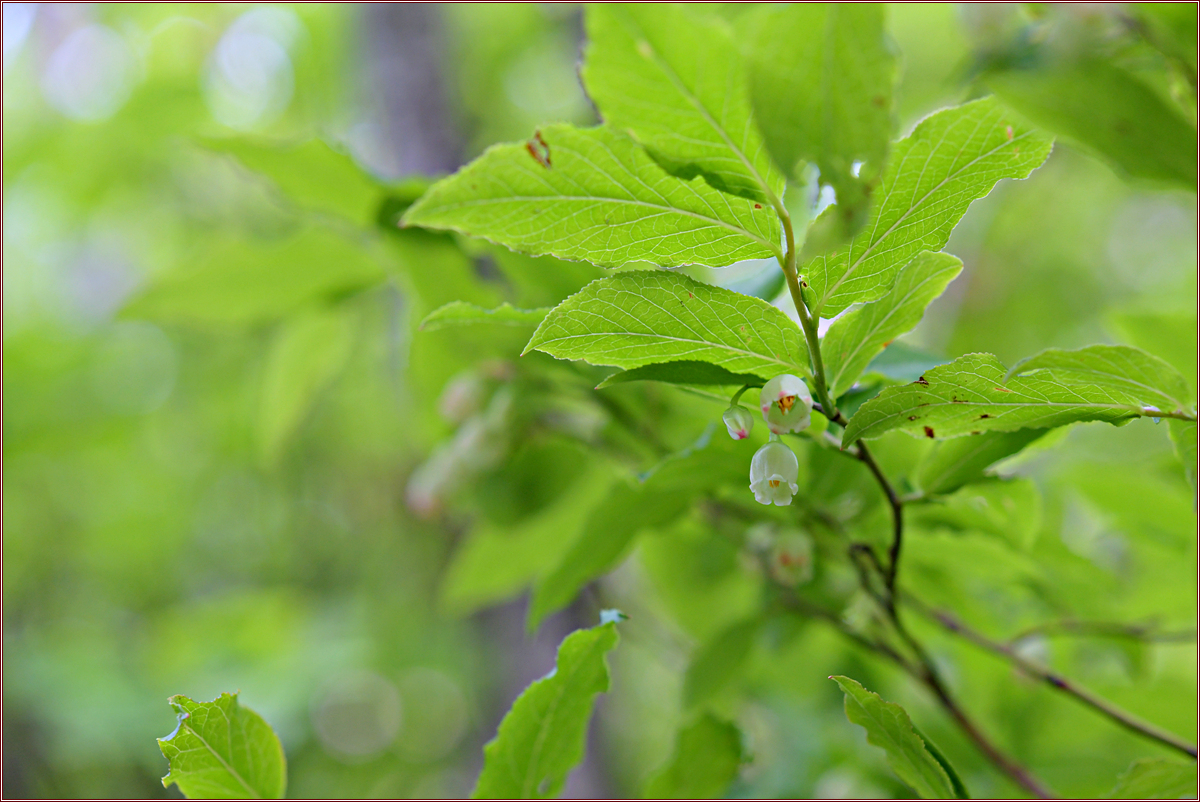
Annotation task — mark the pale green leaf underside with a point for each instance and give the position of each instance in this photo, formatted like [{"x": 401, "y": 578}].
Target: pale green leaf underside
[
  {"x": 969, "y": 395},
  {"x": 461, "y": 313},
  {"x": 1121, "y": 367},
  {"x": 821, "y": 83},
  {"x": 952, "y": 158},
  {"x": 1157, "y": 778},
  {"x": 543, "y": 736},
  {"x": 676, "y": 81},
  {"x": 858, "y": 336},
  {"x": 683, "y": 372},
  {"x": 645, "y": 317},
  {"x": 599, "y": 198},
  {"x": 707, "y": 755},
  {"x": 890, "y": 728},
  {"x": 221, "y": 750}
]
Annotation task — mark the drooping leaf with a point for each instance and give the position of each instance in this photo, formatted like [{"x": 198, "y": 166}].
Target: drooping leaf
[
  {"x": 890, "y": 728},
  {"x": 860, "y": 335},
  {"x": 1121, "y": 367},
  {"x": 682, "y": 372},
  {"x": 951, "y": 158},
  {"x": 646, "y": 317},
  {"x": 1183, "y": 437},
  {"x": 970, "y": 395},
  {"x": 311, "y": 175},
  {"x": 543, "y": 736},
  {"x": 717, "y": 662},
  {"x": 821, "y": 79},
  {"x": 1099, "y": 106},
  {"x": 954, "y": 463},
  {"x": 654, "y": 500},
  {"x": 1157, "y": 778},
  {"x": 675, "y": 80},
  {"x": 595, "y": 195},
  {"x": 708, "y": 753},
  {"x": 240, "y": 282},
  {"x": 304, "y": 357},
  {"x": 461, "y": 313},
  {"x": 221, "y": 750}
]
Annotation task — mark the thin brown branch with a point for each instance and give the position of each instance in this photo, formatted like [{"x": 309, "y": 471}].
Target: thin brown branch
[
  {"x": 1122, "y": 717},
  {"x": 1106, "y": 629}
]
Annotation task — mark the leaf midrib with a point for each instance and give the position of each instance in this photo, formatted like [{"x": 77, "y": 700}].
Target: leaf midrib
[
  {"x": 831, "y": 291},
  {"x": 708, "y": 343},
  {"x": 233, "y": 772},
  {"x": 966, "y": 404}
]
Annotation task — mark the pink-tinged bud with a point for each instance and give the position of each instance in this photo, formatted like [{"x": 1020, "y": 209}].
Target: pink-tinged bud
[
  {"x": 773, "y": 474},
  {"x": 791, "y": 558},
  {"x": 786, "y": 404},
  {"x": 739, "y": 421}
]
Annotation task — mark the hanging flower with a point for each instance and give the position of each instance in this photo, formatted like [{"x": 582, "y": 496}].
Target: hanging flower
[
  {"x": 739, "y": 421},
  {"x": 773, "y": 473},
  {"x": 786, "y": 404}
]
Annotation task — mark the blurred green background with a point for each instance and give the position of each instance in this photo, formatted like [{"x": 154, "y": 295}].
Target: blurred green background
[{"x": 229, "y": 455}]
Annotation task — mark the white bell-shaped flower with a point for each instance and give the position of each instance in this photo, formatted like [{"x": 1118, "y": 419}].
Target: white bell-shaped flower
[
  {"x": 786, "y": 404},
  {"x": 773, "y": 473},
  {"x": 739, "y": 421}
]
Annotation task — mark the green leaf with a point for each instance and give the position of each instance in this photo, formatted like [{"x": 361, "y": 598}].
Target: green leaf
[
  {"x": 951, "y": 159},
  {"x": 708, "y": 753},
  {"x": 305, "y": 355},
  {"x": 675, "y": 80},
  {"x": 1121, "y": 367},
  {"x": 597, "y": 197},
  {"x": 970, "y": 395},
  {"x": 821, "y": 78},
  {"x": 461, "y": 313},
  {"x": 1183, "y": 437},
  {"x": 1157, "y": 778},
  {"x": 311, "y": 175},
  {"x": 646, "y": 317},
  {"x": 1171, "y": 335},
  {"x": 1010, "y": 510},
  {"x": 239, "y": 282},
  {"x": 718, "y": 661},
  {"x": 662, "y": 495},
  {"x": 221, "y": 750},
  {"x": 890, "y": 728},
  {"x": 682, "y": 372},
  {"x": 954, "y": 463},
  {"x": 543, "y": 736},
  {"x": 1102, "y": 108},
  {"x": 860, "y": 335},
  {"x": 902, "y": 362}
]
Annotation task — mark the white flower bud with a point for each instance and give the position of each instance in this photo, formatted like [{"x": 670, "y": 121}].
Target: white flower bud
[
  {"x": 786, "y": 404},
  {"x": 739, "y": 421},
  {"x": 773, "y": 473}
]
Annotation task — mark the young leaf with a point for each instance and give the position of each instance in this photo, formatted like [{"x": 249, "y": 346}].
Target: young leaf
[
  {"x": 821, "y": 78},
  {"x": 682, "y": 372},
  {"x": 675, "y": 80},
  {"x": 890, "y": 728},
  {"x": 645, "y": 317},
  {"x": 1121, "y": 367},
  {"x": 1106, "y": 110},
  {"x": 954, "y": 463},
  {"x": 718, "y": 661},
  {"x": 304, "y": 357},
  {"x": 221, "y": 750},
  {"x": 860, "y": 335},
  {"x": 970, "y": 395},
  {"x": 951, "y": 158},
  {"x": 543, "y": 736},
  {"x": 1157, "y": 778},
  {"x": 461, "y": 313},
  {"x": 595, "y": 195},
  {"x": 1183, "y": 437},
  {"x": 708, "y": 753}
]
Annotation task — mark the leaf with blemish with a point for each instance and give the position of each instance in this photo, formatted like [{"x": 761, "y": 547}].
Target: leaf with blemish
[{"x": 1121, "y": 367}]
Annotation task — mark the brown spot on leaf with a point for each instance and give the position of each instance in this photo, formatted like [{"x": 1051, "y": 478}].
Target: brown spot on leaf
[
  {"x": 928, "y": 432},
  {"x": 539, "y": 150},
  {"x": 758, "y": 206},
  {"x": 921, "y": 381},
  {"x": 1002, "y": 390},
  {"x": 976, "y": 432},
  {"x": 912, "y": 417},
  {"x": 984, "y": 415}
]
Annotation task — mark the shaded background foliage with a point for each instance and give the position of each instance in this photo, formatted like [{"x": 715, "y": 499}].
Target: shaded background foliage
[{"x": 220, "y": 418}]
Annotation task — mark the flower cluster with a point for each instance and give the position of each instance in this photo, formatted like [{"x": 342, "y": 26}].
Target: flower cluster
[{"x": 786, "y": 407}]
